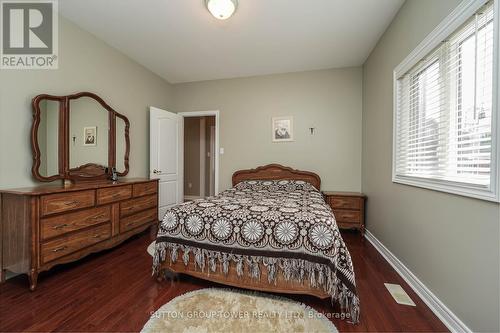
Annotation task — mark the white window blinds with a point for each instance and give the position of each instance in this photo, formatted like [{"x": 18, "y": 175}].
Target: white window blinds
[{"x": 444, "y": 108}]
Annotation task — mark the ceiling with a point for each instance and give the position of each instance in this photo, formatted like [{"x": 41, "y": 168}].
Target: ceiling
[{"x": 180, "y": 41}]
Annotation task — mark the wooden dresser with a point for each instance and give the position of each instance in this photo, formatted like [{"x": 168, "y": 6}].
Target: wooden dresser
[
  {"x": 49, "y": 225},
  {"x": 348, "y": 208}
]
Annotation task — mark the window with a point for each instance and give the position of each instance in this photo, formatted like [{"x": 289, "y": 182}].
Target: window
[{"x": 445, "y": 106}]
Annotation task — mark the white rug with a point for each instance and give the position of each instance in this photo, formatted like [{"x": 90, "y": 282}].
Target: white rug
[
  {"x": 151, "y": 249},
  {"x": 224, "y": 310}
]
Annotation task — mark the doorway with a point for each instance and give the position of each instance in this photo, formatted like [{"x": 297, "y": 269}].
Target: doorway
[{"x": 200, "y": 154}]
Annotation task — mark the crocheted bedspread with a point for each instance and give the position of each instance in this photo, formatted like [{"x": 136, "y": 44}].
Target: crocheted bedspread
[{"x": 282, "y": 225}]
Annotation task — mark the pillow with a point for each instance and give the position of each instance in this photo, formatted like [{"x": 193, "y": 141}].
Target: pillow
[{"x": 287, "y": 185}]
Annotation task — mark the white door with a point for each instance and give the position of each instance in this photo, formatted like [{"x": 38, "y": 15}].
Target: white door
[{"x": 166, "y": 155}]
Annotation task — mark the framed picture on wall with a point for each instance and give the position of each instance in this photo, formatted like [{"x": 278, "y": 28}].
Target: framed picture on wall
[
  {"x": 282, "y": 128},
  {"x": 90, "y": 136}
]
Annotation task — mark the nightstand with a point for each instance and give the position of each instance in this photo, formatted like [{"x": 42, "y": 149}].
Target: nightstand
[{"x": 348, "y": 208}]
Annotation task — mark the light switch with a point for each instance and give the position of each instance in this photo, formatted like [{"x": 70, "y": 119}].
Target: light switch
[{"x": 221, "y": 151}]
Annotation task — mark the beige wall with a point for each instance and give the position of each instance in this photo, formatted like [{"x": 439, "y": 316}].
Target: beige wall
[
  {"x": 328, "y": 100},
  {"x": 450, "y": 242},
  {"x": 85, "y": 64}
]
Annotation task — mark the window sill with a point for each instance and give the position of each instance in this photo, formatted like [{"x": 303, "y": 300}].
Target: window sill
[{"x": 449, "y": 187}]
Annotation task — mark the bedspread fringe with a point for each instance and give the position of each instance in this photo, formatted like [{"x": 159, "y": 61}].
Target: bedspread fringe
[{"x": 319, "y": 275}]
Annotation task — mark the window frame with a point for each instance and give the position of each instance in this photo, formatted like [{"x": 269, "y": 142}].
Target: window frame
[{"x": 453, "y": 21}]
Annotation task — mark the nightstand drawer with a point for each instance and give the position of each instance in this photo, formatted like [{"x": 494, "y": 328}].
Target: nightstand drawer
[
  {"x": 345, "y": 202},
  {"x": 348, "y": 208},
  {"x": 347, "y": 216},
  {"x": 344, "y": 225}
]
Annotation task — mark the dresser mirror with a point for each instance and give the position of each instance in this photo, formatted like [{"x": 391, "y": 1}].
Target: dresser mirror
[
  {"x": 78, "y": 137},
  {"x": 88, "y": 133},
  {"x": 121, "y": 145},
  {"x": 48, "y": 138}
]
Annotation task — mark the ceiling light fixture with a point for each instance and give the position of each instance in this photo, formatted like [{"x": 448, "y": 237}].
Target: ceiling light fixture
[{"x": 222, "y": 9}]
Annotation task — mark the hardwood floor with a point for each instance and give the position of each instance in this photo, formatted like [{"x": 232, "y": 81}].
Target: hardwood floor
[{"x": 114, "y": 291}]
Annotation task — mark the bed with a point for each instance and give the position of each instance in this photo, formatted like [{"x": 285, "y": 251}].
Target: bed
[{"x": 272, "y": 231}]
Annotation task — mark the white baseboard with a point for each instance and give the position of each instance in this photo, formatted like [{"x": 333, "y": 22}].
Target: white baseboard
[{"x": 448, "y": 318}]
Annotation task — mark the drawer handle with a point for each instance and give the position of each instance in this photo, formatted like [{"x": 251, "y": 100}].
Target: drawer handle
[
  {"x": 98, "y": 217},
  {"x": 129, "y": 224},
  {"x": 59, "y": 249},
  {"x": 60, "y": 226},
  {"x": 96, "y": 236},
  {"x": 116, "y": 195},
  {"x": 72, "y": 203}
]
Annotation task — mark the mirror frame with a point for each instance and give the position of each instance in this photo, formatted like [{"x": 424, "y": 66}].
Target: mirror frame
[{"x": 89, "y": 171}]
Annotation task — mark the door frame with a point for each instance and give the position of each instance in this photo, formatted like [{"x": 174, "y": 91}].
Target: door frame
[{"x": 217, "y": 129}]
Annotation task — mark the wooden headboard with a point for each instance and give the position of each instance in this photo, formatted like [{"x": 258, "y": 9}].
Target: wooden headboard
[{"x": 276, "y": 171}]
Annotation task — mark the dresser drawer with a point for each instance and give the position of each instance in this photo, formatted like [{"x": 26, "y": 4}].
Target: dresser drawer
[
  {"x": 62, "y": 202},
  {"x": 136, "y": 205},
  {"x": 60, "y": 247},
  {"x": 347, "y": 216},
  {"x": 136, "y": 220},
  {"x": 61, "y": 224},
  {"x": 144, "y": 189},
  {"x": 345, "y": 202},
  {"x": 113, "y": 194}
]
